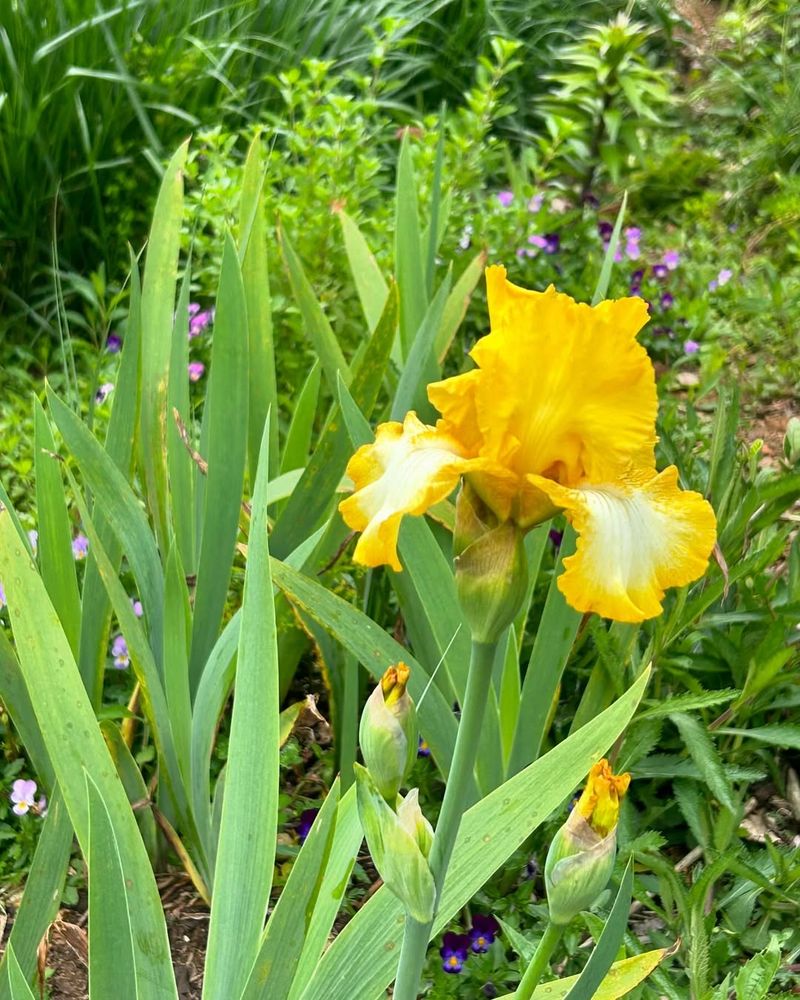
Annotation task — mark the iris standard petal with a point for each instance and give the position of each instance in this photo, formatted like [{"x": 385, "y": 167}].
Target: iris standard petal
[
  {"x": 408, "y": 468},
  {"x": 638, "y": 535},
  {"x": 565, "y": 390}
]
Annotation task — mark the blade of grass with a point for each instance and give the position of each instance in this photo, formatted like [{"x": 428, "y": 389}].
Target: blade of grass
[
  {"x": 606, "y": 949},
  {"x": 273, "y": 973},
  {"x": 120, "y": 508},
  {"x": 263, "y": 390},
  {"x": 227, "y": 456},
  {"x": 74, "y": 743},
  {"x": 57, "y": 565},
  {"x": 158, "y": 308},
  {"x": 298, "y": 438},
  {"x": 551, "y": 648},
  {"x": 409, "y": 254},
  {"x": 112, "y": 968},
  {"x": 120, "y": 447},
  {"x": 179, "y": 461},
  {"x": 370, "y": 284},
  {"x": 315, "y": 322},
  {"x": 248, "y": 827}
]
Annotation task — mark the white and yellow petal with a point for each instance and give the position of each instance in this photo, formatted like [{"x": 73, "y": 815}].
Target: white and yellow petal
[
  {"x": 406, "y": 470},
  {"x": 638, "y": 535}
]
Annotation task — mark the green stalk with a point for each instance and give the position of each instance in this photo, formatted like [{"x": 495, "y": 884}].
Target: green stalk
[
  {"x": 417, "y": 935},
  {"x": 539, "y": 962}
]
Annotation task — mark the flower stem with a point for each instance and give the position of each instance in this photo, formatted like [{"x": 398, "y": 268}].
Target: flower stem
[
  {"x": 417, "y": 935},
  {"x": 539, "y": 962}
]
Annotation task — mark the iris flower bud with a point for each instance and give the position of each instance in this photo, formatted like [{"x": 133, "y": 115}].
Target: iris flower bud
[
  {"x": 491, "y": 566},
  {"x": 399, "y": 843},
  {"x": 581, "y": 856},
  {"x": 388, "y": 732}
]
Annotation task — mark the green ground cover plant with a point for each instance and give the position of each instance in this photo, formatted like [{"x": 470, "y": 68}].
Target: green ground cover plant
[{"x": 170, "y": 534}]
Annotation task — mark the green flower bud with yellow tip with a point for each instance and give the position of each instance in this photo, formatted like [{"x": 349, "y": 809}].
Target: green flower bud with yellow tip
[
  {"x": 581, "y": 856},
  {"x": 388, "y": 732},
  {"x": 399, "y": 843},
  {"x": 491, "y": 566}
]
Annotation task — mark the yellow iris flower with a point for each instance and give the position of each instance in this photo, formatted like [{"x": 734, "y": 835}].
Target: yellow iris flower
[
  {"x": 559, "y": 415},
  {"x": 600, "y": 799}
]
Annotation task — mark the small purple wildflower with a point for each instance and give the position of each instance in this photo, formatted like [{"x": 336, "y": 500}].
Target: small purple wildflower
[
  {"x": 605, "y": 229},
  {"x": 659, "y": 271},
  {"x": 200, "y": 321},
  {"x": 423, "y": 750},
  {"x": 667, "y": 300},
  {"x": 505, "y": 198},
  {"x": 532, "y": 868},
  {"x": 535, "y": 203},
  {"x": 2, "y": 596},
  {"x": 691, "y": 347},
  {"x": 632, "y": 235},
  {"x": 113, "y": 343},
  {"x": 522, "y": 252},
  {"x": 80, "y": 546},
  {"x": 119, "y": 650},
  {"x": 454, "y": 952},
  {"x": 194, "y": 309},
  {"x": 550, "y": 242},
  {"x": 305, "y": 822},
  {"x": 484, "y": 930},
  {"x": 712, "y": 285},
  {"x": 136, "y": 604},
  {"x": 724, "y": 276},
  {"x": 555, "y": 537},
  {"x": 671, "y": 259},
  {"x": 103, "y": 392},
  {"x": 636, "y": 281},
  {"x": 33, "y": 538},
  {"x": 23, "y": 795},
  {"x": 196, "y": 370}
]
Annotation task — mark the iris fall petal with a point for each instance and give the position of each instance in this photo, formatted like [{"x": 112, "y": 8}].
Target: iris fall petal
[{"x": 638, "y": 535}]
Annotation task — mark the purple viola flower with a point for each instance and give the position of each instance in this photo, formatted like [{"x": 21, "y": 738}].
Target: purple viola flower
[
  {"x": 423, "y": 750},
  {"x": 535, "y": 203},
  {"x": 632, "y": 235},
  {"x": 305, "y": 822},
  {"x": 505, "y": 198},
  {"x": 454, "y": 952},
  {"x": 33, "y": 538},
  {"x": 712, "y": 285},
  {"x": 724, "y": 276},
  {"x": 659, "y": 271},
  {"x": 119, "y": 650},
  {"x": 605, "y": 229},
  {"x": 196, "y": 370},
  {"x": 522, "y": 252},
  {"x": 113, "y": 343},
  {"x": 671, "y": 259},
  {"x": 136, "y": 604},
  {"x": 691, "y": 347},
  {"x": 194, "y": 309},
  {"x": 80, "y": 546},
  {"x": 484, "y": 930},
  {"x": 667, "y": 299},
  {"x": 23, "y": 795},
  {"x": 103, "y": 392},
  {"x": 550, "y": 242},
  {"x": 200, "y": 321},
  {"x": 636, "y": 281},
  {"x": 555, "y": 537}
]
